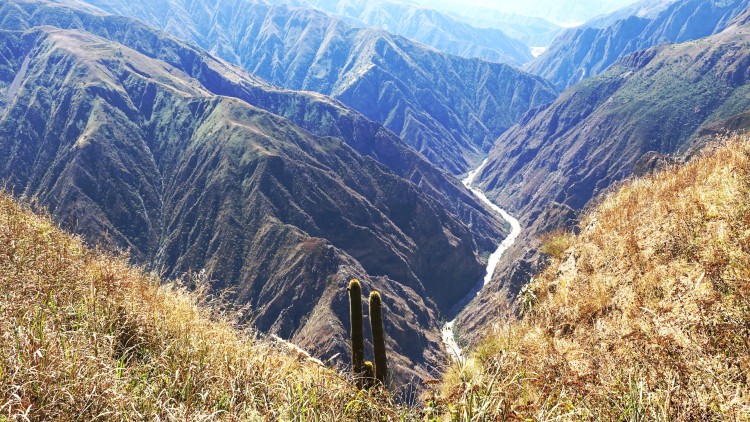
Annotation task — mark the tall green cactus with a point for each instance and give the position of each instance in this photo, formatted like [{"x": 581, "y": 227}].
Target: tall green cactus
[
  {"x": 378, "y": 337},
  {"x": 358, "y": 337}
]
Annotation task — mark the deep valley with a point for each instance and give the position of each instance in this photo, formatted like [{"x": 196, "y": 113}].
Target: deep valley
[{"x": 374, "y": 210}]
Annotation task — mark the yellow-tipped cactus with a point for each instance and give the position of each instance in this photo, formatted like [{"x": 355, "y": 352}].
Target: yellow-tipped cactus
[
  {"x": 358, "y": 337},
  {"x": 378, "y": 337},
  {"x": 369, "y": 375}
]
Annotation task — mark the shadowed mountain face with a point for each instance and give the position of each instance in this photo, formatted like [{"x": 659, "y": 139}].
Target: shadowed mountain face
[
  {"x": 448, "y": 108},
  {"x": 587, "y": 51},
  {"x": 137, "y": 141},
  {"x": 429, "y": 27}
]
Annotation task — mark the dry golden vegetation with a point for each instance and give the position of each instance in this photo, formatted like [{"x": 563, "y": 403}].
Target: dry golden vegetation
[
  {"x": 84, "y": 336},
  {"x": 643, "y": 316}
]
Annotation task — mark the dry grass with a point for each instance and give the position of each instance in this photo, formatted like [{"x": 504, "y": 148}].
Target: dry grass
[
  {"x": 556, "y": 243},
  {"x": 646, "y": 316},
  {"x": 84, "y": 336}
]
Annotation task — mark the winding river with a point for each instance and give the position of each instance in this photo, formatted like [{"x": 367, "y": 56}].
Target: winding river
[{"x": 449, "y": 336}]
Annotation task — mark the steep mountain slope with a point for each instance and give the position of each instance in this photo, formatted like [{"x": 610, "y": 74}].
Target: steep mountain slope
[
  {"x": 587, "y": 51},
  {"x": 643, "y": 315},
  {"x": 650, "y": 106},
  {"x": 177, "y": 163},
  {"x": 448, "y": 108},
  {"x": 429, "y": 27},
  {"x": 595, "y": 133},
  {"x": 94, "y": 338},
  {"x": 315, "y": 113}
]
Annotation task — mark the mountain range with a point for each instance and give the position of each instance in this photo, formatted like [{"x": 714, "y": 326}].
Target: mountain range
[
  {"x": 532, "y": 31},
  {"x": 140, "y": 142},
  {"x": 589, "y": 50},
  {"x": 429, "y": 26},
  {"x": 559, "y": 12},
  {"x": 251, "y": 157},
  {"x": 656, "y": 100},
  {"x": 320, "y": 151},
  {"x": 651, "y": 109},
  {"x": 448, "y": 108}
]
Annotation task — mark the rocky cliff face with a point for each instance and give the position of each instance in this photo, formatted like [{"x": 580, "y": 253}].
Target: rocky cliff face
[
  {"x": 448, "y": 108},
  {"x": 587, "y": 51},
  {"x": 139, "y": 142}
]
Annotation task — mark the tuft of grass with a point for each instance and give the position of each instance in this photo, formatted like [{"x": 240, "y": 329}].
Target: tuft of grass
[
  {"x": 556, "y": 243},
  {"x": 643, "y": 316},
  {"x": 85, "y": 336}
]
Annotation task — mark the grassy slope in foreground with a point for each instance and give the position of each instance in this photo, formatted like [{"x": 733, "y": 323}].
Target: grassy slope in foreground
[
  {"x": 85, "y": 336},
  {"x": 645, "y": 314}
]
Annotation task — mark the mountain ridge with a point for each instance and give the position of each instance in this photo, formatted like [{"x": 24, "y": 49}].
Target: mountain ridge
[
  {"x": 448, "y": 108},
  {"x": 430, "y": 27},
  {"x": 652, "y": 108},
  {"x": 587, "y": 51}
]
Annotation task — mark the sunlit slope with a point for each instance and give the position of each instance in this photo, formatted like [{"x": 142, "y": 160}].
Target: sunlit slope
[
  {"x": 586, "y": 51},
  {"x": 448, "y": 108},
  {"x": 84, "y": 336},
  {"x": 645, "y": 314}
]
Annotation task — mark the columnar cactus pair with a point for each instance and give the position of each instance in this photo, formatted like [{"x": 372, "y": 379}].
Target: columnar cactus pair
[{"x": 364, "y": 371}]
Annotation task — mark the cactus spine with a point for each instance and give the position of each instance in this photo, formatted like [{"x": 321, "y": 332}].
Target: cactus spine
[
  {"x": 358, "y": 338},
  {"x": 378, "y": 337}
]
